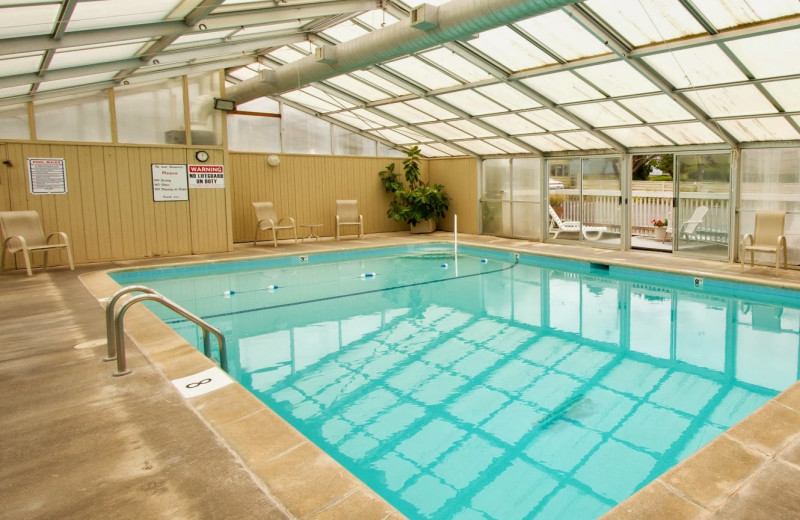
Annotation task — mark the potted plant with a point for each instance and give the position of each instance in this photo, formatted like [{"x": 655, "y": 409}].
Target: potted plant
[
  {"x": 419, "y": 203},
  {"x": 660, "y": 225}
]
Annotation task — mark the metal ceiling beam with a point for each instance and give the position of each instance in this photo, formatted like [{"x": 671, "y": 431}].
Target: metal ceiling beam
[
  {"x": 277, "y": 13},
  {"x": 454, "y": 20}
]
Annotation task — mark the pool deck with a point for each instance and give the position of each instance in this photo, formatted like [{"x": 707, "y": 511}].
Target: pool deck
[{"x": 76, "y": 442}]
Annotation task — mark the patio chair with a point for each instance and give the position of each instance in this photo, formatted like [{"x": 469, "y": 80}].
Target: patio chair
[
  {"x": 689, "y": 227},
  {"x": 267, "y": 219},
  {"x": 767, "y": 237},
  {"x": 558, "y": 226},
  {"x": 347, "y": 215},
  {"x": 22, "y": 232}
]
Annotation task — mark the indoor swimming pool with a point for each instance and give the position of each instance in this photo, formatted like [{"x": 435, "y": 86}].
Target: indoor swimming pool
[{"x": 492, "y": 385}]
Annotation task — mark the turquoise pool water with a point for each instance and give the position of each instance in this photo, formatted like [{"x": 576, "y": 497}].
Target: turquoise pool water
[{"x": 494, "y": 387}]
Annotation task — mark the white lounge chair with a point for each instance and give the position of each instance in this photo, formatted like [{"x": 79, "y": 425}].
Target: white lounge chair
[
  {"x": 767, "y": 237},
  {"x": 689, "y": 227},
  {"x": 22, "y": 232},
  {"x": 558, "y": 226},
  {"x": 267, "y": 219},
  {"x": 347, "y": 215}
]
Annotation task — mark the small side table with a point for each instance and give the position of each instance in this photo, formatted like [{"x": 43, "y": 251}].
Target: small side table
[{"x": 311, "y": 231}]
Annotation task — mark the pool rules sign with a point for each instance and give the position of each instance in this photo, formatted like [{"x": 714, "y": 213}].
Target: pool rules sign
[
  {"x": 206, "y": 176},
  {"x": 169, "y": 182}
]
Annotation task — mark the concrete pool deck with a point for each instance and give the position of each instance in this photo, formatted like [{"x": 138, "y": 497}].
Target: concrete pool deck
[{"x": 78, "y": 443}]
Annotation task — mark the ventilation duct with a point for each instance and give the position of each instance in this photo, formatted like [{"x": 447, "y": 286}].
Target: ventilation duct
[{"x": 455, "y": 20}]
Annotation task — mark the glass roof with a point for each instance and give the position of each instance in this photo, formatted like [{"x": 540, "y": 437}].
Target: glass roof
[{"x": 597, "y": 76}]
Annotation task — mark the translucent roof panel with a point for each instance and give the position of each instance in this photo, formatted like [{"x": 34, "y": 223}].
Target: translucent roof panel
[
  {"x": 345, "y": 31},
  {"x": 770, "y": 55},
  {"x": 316, "y": 99},
  {"x": 732, "y": 101},
  {"x": 563, "y": 87},
  {"x": 584, "y": 140},
  {"x": 15, "y": 91},
  {"x": 730, "y": 13},
  {"x": 761, "y": 129},
  {"x": 480, "y": 147},
  {"x": 243, "y": 73},
  {"x": 438, "y": 150},
  {"x": 510, "y": 49},
  {"x": 647, "y": 22},
  {"x": 413, "y": 137},
  {"x": 119, "y": 13},
  {"x": 353, "y": 120},
  {"x": 547, "y": 143},
  {"x": 512, "y": 124},
  {"x": 27, "y": 20},
  {"x": 357, "y": 88},
  {"x": 617, "y": 79},
  {"x": 73, "y": 82},
  {"x": 379, "y": 82},
  {"x": 472, "y": 128},
  {"x": 397, "y": 136},
  {"x": 605, "y": 113},
  {"x": 656, "y": 109},
  {"x": 643, "y": 136},
  {"x": 506, "y": 145},
  {"x": 21, "y": 64},
  {"x": 373, "y": 117},
  {"x": 406, "y": 113},
  {"x": 471, "y": 102},
  {"x": 550, "y": 29},
  {"x": 422, "y": 73},
  {"x": 377, "y": 18},
  {"x": 785, "y": 93},
  {"x": 95, "y": 54},
  {"x": 203, "y": 36},
  {"x": 287, "y": 54},
  {"x": 445, "y": 131},
  {"x": 508, "y": 96},
  {"x": 689, "y": 133},
  {"x": 549, "y": 120},
  {"x": 253, "y": 31},
  {"x": 431, "y": 108},
  {"x": 696, "y": 67},
  {"x": 455, "y": 64}
]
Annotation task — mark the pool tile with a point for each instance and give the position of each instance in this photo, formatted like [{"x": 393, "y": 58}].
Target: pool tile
[
  {"x": 633, "y": 377},
  {"x": 513, "y": 422},
  {"x": 551, "y": 390},
  {"x": 615, "y": 470},
  {"x": 529, "y": 484},
  {"x": 467, "y": 461},
  {"x": 685, "y": 392},
  {"x": 656, "y": 502},
  {"x": 428, "y": 494},
  {"x": 514, "y": 375},
  {"x": 652, "y": 427},
  {"x": 447, "y": 353},
  {"x": 394, "y": 421},
  {"x": 476, "y": 362},
  {"x": 714, "y": 472},
  {"x": 368, "y": 406},
  {"x": 784, "y": 425},
  {"x": 584, "y": 362},
  {"x": 477, "y": 404},
  {"x": 572, "y": 503},
  {"x": 431, "y": 442},
  {"x": 438, "y": 389},
  {"x": 508, "y": 339},
  {"x": 411, "y": 376},
  {"x": 599, "y": 409},
  {"x": 548, "y": 351},
  {"x": 562, "y": 445},
  {"x": 735, "y": 406},
  {"x": 396, "y": 470}
]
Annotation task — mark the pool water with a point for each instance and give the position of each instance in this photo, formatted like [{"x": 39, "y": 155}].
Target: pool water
[{"x": 495, "y": 386}]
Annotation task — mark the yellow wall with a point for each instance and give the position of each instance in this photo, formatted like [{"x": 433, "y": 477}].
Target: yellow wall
[
  {"x": 459, "y": 177},
  {"x": 108, "y": 211}
]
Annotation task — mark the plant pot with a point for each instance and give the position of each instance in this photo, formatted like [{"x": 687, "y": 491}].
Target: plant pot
[
  {"x": 660, "y": 233},
  {"x": 426, "y": 226}
]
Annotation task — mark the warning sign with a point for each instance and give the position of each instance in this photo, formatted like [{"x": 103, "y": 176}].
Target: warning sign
[{"x": 206, "y": 176}]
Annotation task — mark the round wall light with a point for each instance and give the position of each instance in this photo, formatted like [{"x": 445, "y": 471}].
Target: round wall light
[{"x": 273, "y": 160}]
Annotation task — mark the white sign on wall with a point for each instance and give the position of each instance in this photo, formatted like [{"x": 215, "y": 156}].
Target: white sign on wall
[
  {"x": 169, "y": 182},
  {"x": 206, "y": 176},
  {"x": 47, "y": 176}
]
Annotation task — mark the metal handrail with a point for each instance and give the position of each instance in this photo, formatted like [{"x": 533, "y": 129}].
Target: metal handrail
[
  {"x": 119, "y": 338},
  {"x": 111, "y": 352}
]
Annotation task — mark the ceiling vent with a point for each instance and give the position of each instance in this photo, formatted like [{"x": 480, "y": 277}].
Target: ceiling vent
[
  {"x": 424, "y": 17},
  {"x": 267, "y": 76},
  {"x": 325, "y": 54}
]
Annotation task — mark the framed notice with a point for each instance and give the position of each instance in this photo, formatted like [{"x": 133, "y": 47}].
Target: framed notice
[
  {"x": 47, "y": 176},
  {"x": 206, "y": 176},
  {"x": 170, "y": 182}
]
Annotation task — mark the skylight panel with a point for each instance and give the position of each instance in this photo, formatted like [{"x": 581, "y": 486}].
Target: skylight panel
[
  {"x": 761, "y": 129},
  {"x": 358, "y": 88},
  {"x": 119, "y": 13},
  {"x": 255, "y": 30},
  {"x": 437, "y": 150},
  {"x": 605, "y": 113},
  {"x": 512, "y": 124},
  {"x": 689, "y": 133},
  {"x": 550, "y": 29},
  {"x": 243, "y": 73},
  {"x": 695, "y": 67},
  {"x": 312, "y": 102},
  {"x": 549, "y": 120},
  {"x": 391, "y": 135},
  {"x": 584, "y": 140},
  {"x": 21, "y": 90},
  {"x": 656, "y": 109},
  {"x": 200, "y": 36},
  {"x": 414, "y": 137},
  {"x": 642, "y": 23},
  {"x": 431, "y": 108},
  {"x": 406, "y": 113},
  {"x": 379, "y": 82},
  {"x": 355, "y": 121},
  {"x": 419, "y": 72},
  {"x": 732, "y": 101},
  {"x": 97, "y": 54},
  {"x": 508, "y": 96},
  {"x": 445, "y": 131},
  {"x": 480, "y": 147},
  {"x": 287, "y": 55},
  {"x": 20, "y": 63},
  {"x": 617, "y": 79},
  {"x": 547, "y": 143},
  {"x": 770, "y": 55},
  {"x": 378, "y": 18},
  {"x": 731, "y": 13},
  {"x": 785, "y": 93},
  {"x": 371, "y": 116},
  {"x": 345, "y": 31},
  {"x": 74, "y": 82},
  {"x": 27, "y": 21},
  {"x": 471, "y": 102},
  {"x": 510, "y": 49},
  {"x": 563, "y": 87},
  {"x": 264, "y": 105},
  {"x": 457, "y": 65},
  {"x": 472, "y": 128},
  {"x": 506, "y": 145},
  {"x": 641, "y": 136}
]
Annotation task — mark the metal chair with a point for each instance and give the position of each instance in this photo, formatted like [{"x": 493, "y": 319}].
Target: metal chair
[
  {"x": 22, "y": 232},
  {"x": 267, "y": 219}
]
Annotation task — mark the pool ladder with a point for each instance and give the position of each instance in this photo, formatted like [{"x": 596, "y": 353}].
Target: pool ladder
[{"x": 115, "y": 333}]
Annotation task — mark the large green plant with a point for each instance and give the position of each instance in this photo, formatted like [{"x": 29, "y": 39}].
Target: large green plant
[{"x": 413, "y": 201}]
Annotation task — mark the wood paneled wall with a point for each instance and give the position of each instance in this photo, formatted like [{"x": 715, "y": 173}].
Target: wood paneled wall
[
  {"x": 108, "y": 211},
  {"x": 460, "y": 179}
]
